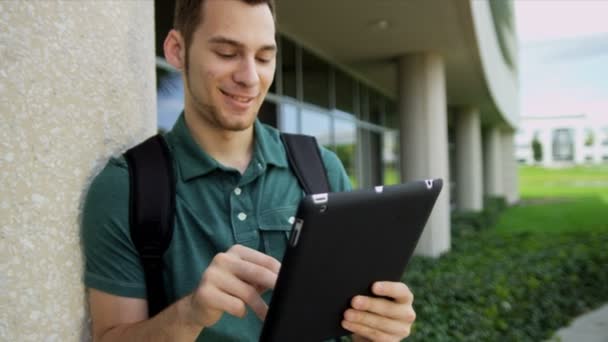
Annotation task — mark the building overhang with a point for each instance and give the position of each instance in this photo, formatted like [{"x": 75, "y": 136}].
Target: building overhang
[{"x": 366, "y": 39}]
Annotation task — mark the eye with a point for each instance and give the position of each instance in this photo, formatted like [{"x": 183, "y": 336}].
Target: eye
[
  {"x": 265, "y": 58},
  {"x": 225, "y": 55}
]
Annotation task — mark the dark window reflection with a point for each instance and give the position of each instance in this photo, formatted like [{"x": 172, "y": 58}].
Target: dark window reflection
[
  {"x": 345, "y": 92},
  {"x": 315, "y": 74},
  {"x": 268, "y": 113},
  {"x": 288, "y": 67}
]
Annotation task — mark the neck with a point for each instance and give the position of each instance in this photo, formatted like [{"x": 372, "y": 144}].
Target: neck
[{"x": 230, "y": 148}]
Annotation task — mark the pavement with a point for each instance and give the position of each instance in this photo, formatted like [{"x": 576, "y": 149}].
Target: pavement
[{"x": 590, "y": 327}]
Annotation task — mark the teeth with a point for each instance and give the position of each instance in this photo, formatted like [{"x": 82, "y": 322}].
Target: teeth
[{"x": 239, "y": 98}]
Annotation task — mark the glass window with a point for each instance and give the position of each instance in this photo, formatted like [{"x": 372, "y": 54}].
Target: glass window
[
  {"x": 288, "y": 67},
  {"x": 376, "y": 108},
  {"x": 605, "y": 138},
  {"x": 315, "y": 75},
  {"x": 391, "y": 116},
  {"x": 345, "y": 137},
  {"x": 390, "y": 158},
  {"x": 268, "y": 113},
  {"x": 345, "y": 92},
  {"x": 169, "y": 99},
  {"x": 288, "y": 118},
  {"x": 563, "y": 144},
  {"x": 373, "y": 154},
  {"x": 318, "y": 125}
]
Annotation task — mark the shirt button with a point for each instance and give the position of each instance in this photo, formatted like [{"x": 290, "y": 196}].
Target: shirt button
[
  {"x": 260, "y": 166},
  {"x": 291, "y": 220},
  {"x": 242, "y": 216},
  {"x": 238, "y": 191}
]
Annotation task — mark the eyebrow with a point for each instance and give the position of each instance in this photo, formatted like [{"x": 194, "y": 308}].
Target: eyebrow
[{"x": 225, "y": 40}]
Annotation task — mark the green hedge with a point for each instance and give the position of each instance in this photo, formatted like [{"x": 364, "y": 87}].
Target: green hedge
[
  {"x": 506, "y": 287},
  {"x": 467, "y": 223}
]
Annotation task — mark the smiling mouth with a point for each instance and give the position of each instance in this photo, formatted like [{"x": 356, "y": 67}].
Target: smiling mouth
[{"x": 241, "y": 99}]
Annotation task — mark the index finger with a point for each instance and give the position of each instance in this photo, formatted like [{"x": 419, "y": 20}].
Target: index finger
[{"x": 256, "y": 257}]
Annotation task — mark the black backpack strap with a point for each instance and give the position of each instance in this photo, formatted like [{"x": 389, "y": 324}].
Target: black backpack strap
[
  {"x": 306, "y": 162},
  {"x": 152, "y": 205}
]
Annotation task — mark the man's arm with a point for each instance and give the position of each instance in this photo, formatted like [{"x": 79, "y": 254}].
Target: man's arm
[
  {"x": 232, "y": 281},
  {"x": 126, "y": 319}
]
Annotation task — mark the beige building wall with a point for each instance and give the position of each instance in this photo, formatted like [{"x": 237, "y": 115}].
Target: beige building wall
[{"x": 77, "y": 84}]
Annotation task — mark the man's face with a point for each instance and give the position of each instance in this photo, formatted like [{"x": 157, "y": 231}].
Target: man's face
[{"x": 231, "y": 63}]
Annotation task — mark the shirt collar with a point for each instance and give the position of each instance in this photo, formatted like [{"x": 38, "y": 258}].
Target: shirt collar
[{"x": 194, "y": 162}]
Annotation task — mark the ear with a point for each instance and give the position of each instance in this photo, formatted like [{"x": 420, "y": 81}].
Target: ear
[{"x": 175, "y": 49}]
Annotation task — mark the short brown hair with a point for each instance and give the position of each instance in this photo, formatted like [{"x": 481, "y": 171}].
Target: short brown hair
[{"x": 188, "y": 15}]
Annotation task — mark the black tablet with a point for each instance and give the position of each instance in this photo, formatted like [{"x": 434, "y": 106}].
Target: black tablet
[{"x": 341, "y": 243}]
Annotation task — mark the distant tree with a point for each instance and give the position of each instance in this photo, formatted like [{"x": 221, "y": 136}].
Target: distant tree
[
  {"x": 537, "y": 149},
  {"x": 590, "y": 138}
]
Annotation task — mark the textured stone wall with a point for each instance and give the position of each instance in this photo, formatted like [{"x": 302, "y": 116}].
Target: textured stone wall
[{"x": 77, "y": 84}]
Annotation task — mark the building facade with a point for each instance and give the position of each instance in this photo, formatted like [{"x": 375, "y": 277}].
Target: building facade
[{"x": 563, "y": 140}]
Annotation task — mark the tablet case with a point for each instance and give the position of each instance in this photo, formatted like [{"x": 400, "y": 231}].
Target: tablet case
[{"x": 341, "y": 243}]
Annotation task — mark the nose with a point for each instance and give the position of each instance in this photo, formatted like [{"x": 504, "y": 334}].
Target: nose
[{"x": 247, "y": 73}]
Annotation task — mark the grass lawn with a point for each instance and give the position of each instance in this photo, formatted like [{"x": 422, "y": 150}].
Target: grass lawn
[{"x": 559, "y": 200}]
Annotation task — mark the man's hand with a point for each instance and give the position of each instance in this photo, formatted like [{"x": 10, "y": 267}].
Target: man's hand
[
  {"x": 234, "y": 280},
  {"x": 381, "y": 319}
]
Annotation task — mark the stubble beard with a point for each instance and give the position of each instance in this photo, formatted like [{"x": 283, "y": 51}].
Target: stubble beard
[{"x": 209, "y": 113}]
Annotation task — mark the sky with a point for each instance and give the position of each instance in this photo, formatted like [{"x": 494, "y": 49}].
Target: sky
[{"x": 563, "y": 57}]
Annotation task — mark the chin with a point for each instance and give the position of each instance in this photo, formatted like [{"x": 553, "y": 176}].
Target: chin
[{"x": 236, "y": 124}]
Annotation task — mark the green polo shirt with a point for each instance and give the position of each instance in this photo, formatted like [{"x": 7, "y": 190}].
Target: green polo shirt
[{"x": 216, "y": 207}]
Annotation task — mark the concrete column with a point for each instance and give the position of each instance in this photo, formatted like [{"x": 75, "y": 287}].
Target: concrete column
[
  {"x": 424, "y": 139},
  {"x": 469, "y": 172},
  {"x": 492, "y": 160},
  {"x": 509, "y": 167},
  {"x": 77, "y": 84}
]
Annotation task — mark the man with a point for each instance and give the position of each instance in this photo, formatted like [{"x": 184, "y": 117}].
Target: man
[{"x": 230, "y": 221}]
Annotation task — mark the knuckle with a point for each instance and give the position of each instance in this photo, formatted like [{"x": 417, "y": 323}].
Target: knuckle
[
  {"x": 240, "y": 309},
  {"x": 203, "y": 294},
  {"x": 411, "y": 316},
  {"x": 236, "y": 248},
  {"x": 221, "y": 258}
]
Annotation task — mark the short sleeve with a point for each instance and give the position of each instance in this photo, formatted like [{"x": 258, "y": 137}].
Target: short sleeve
[
  {"x": 111, "y": 261},
  {"x": 336, "y": 174}
]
